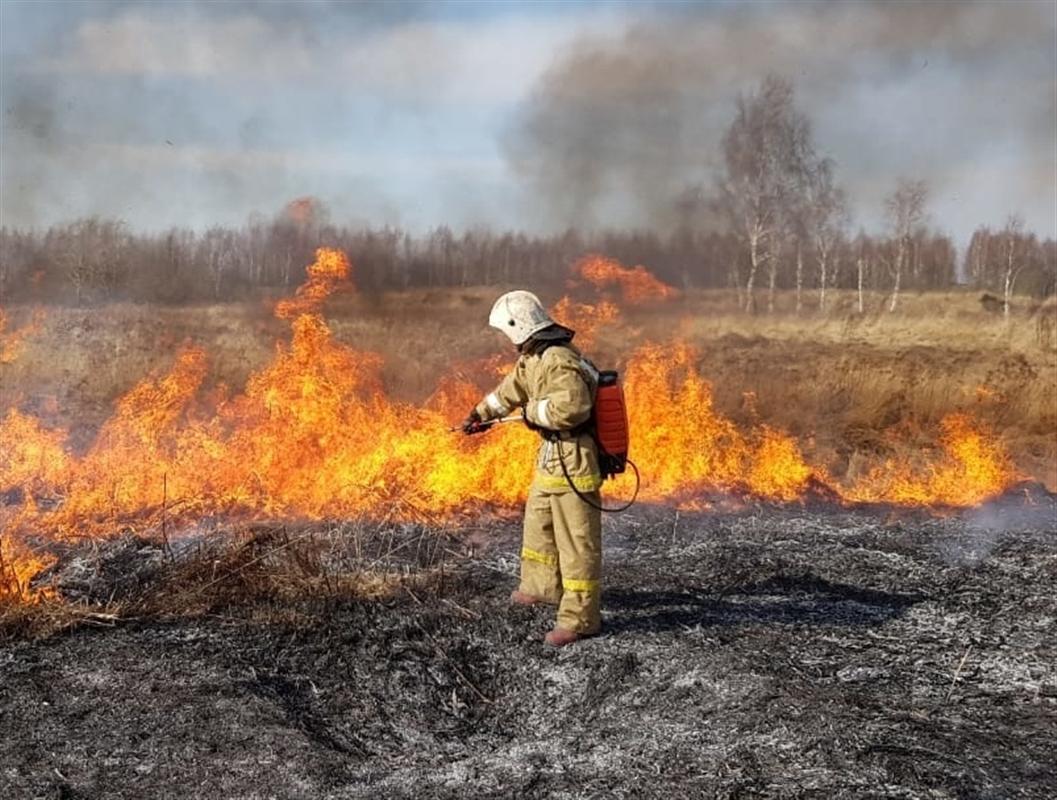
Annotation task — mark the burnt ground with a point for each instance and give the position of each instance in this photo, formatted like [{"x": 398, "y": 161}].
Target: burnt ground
[{"x": 766, "y": 653}]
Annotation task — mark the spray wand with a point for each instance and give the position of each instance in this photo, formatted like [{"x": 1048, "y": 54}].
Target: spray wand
[{"x": 481, "y": 427}]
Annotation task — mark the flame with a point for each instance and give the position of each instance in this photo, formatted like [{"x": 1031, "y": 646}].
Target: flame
[
  {"x": 972, "y": 468},
  {"x": 330, "y": 269},
  {"x": 141, "y": 457},
  {"x": 30, "y": 456},
  {"x": 11, "y": 342},
  {"x": 683, "y": 446},
  {"x": 18, "y": 566},
  {"x": 778, "y": 470},
  {"x": 314, "y": 435},
  {"x": 636, "y": 284},
  {"x": 584, "y": 318},
  {"x": 303, "y": 211}
]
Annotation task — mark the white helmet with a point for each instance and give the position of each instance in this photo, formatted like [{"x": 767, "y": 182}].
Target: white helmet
[{"x": 519, "y": 315}]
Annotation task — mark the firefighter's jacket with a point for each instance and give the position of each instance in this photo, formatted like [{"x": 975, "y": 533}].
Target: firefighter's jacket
[{"x": 556, "y": 389}]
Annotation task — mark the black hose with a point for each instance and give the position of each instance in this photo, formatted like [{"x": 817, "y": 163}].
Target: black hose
[{"x": 588, "y": 500}]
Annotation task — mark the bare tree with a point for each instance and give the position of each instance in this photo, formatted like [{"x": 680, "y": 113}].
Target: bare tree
[
  {"x": 773, "y": 260},
  {"x": 1014, "y": 246},
  {"x": 219, "y": 246},
  {"x": 764, "y": 155},
  {"x": 977, "y": 257},
  {"x": 799, "y": 274},
  {"x": 91, "y": 254},
  {"x": 826, "y": 213},
  {"x": 906, "y": 211},
  {"x": 75, "y": 261}
]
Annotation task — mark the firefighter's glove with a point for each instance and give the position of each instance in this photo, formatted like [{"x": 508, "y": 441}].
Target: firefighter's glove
[{"x": 473, "y": 424}]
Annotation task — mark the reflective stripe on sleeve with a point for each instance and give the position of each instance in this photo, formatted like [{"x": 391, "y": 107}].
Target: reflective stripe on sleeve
[
  {"x": 541, "y": 413},
  {"x": 540, "y": 558},
  {"x": 573, "y": 585},
  {"x": 494, "y": 403}
]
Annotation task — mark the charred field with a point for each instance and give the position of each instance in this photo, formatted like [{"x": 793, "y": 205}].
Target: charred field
[
  {"x": 760, "y": 651},
  {"x": 242, "y": 554},
  {"x": 301, "y": 303}
]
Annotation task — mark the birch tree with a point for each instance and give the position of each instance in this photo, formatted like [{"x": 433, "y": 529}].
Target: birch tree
[
  {"x": 799, "y": 274},
  {"x": 826, "y": 213},
  {"x": 906, "y": 211},
  {"x": 1014, "y": 246},
  {"x": 977, "y": 257},
  {"x": 219, "y": 251},
  {"x": 862, "y": 247},
  {"x": 764, "y": 154}
]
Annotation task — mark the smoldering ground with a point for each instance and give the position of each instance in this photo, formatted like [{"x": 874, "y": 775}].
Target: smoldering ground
[
  {"x": 763, "y": 652},
  {"x": 773, "y": 651}
]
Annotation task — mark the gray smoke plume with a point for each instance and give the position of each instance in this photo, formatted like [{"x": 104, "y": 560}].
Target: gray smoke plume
[
  {"x": 196, "y": 113},
  {"x": 192, "y": 113},
  {"x": 1026, "y": 508},
  {"x": 621, "y": 127}
]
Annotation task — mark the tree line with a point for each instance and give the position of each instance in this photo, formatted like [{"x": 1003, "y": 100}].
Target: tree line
[
  {"x": 777, "y": 219},
  {"x": 780, "y": 197}
]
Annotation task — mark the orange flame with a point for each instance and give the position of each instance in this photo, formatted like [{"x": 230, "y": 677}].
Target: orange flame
[
  {"x": 18, "y": 566},
  {"x": 30, "y": 457},
  {"x": 140, "y": 457},
  {"x": 331, "y": 267},
  {"x": 584, "y": 318},
  {"x": 315, "y": 435},
  {"x": 683, "y": 446},
  {"x": 303, "y": 211},
  {"x": 11, "y": 342},
  {"x": 972, "y": 468},
  {"x": 637, "y": 285}
]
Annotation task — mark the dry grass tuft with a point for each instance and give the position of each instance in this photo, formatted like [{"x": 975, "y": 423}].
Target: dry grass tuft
[{"x": 274, "y": 572}]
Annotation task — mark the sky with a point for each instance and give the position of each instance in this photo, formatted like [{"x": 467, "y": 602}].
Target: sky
[{"x": 510, "y": 115}]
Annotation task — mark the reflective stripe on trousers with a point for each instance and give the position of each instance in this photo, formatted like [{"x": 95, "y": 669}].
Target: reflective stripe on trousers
[
  {"x": 573, "y": 585},
  {"x": 540, "y": 558},
  {"x": 561, "y": 556}
]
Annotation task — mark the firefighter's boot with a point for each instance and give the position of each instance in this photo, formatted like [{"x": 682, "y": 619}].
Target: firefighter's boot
[
  {"x": 559, "y": 637},
  {"x": 519, "y": 598}
]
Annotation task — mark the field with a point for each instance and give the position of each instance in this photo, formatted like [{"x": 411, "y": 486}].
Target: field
[
  {"x": 850, "y": 388},
  {"x": 767, "y": 653},
  {"x": 756, "y": 644}
]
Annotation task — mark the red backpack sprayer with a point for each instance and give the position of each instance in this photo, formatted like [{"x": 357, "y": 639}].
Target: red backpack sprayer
[{"x": 609, "y": 427}]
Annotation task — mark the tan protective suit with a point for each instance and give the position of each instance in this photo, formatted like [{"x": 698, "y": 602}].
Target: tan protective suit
[{"x": 561, "y": 554}]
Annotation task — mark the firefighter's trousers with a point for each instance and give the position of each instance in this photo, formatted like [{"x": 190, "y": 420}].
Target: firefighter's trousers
[{"x": 561, "y": 556}]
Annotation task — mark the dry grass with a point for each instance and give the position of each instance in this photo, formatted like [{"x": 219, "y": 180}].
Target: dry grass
[
  {"x": 837, "y": 381},
  {"x": 264, "y": 570}
]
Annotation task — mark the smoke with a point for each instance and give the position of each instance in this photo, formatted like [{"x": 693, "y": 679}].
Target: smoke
[
  {"x": 621, "y": 128},
  {"x": 74, "y": 145},
  {"x": 1028, "y": 507},
  {"x": 197, "y": 113}
]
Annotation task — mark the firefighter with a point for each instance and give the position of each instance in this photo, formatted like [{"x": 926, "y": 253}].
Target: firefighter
[{"x": 554, "y": 386}]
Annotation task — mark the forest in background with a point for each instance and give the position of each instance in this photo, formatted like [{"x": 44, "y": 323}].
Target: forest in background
[
  {"x": 776, "y": 218},
  {"x": 96, "y": 260}
]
